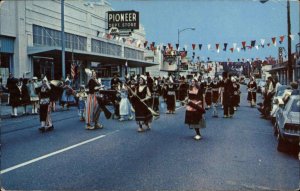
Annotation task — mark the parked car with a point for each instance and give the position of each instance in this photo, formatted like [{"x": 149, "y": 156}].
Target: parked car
[
  {"x": 288, "y": 123},
  {"x": 282, "y": 91}
]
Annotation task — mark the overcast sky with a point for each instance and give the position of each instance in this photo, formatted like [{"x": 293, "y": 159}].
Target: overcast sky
[{"x": 216, "y": 21}]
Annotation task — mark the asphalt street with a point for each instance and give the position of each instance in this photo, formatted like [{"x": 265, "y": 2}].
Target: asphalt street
[{"x": 234, "y": 154}]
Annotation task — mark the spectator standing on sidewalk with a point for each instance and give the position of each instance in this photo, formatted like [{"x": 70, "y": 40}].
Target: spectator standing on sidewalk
[{"x": 34, "y": 97}]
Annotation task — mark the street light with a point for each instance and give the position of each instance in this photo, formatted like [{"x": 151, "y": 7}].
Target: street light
[
  {"x": 290, "y": 65},
  {"x": 179, "y": 31}
]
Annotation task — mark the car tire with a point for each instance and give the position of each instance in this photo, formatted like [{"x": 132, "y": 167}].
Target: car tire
[{"x": 282, "y": 145}]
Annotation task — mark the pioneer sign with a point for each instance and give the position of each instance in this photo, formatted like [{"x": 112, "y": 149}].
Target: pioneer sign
[{"x": 123, "y": 19}]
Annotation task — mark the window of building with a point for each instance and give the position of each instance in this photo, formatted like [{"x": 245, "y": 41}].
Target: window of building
[
  {"x": 43, "y": 36},
  {"x": 132, "y": 53},
  {"x": 106, "y": 48}
]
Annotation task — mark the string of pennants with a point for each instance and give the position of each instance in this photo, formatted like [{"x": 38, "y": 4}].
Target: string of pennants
[{"x": 225, "y": 46}]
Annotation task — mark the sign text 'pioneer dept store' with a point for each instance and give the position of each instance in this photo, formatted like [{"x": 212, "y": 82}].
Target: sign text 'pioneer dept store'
[{"x": 123, "y": 19}]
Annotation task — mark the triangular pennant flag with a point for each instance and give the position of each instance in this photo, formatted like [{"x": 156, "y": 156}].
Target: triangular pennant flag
[
  {"x": 281, "y": 39},
  {"x": 200, "y": 46},
  {"x": 292, "y": 36},
  {"x": 262, "y": 41},
  {"x": 193, "y": 53},
  {"x": 164, "y": 48},
  {"x": 193, "y": 46},
  {"x": 268, "y": 44},
  {"x": 217, "y": 46},
  {"x": 253, "y": 43},
  {"x": 177, "y": 46},
  {"x": 234, "y": 45},
  {"x": 238, "y": 49},
  {"x": 169, "y": 45},
  {"x": 274, "y": 41},
  {"x": 256, "y": 47},
  {"x": 244, "y": 44},
  {"x": 225, "y": 46},
  {"x": 231, "y": 49},
  {"x": 208, "y": 46},
  {"x": 186, "y": 47}
]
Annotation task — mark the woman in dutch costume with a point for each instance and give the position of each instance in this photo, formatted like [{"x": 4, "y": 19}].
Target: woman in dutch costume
[
  {"x": 208, "y": 93},
  {"x": 171, "y": 97},
  {"x": 236, "y": 93},
  {"x": 252, "y": 86},
  {"x": 34, "y": 97},
  {"x": 45, "y": 108},
  {"x": 215, "y": 95},
  {"x": 143, "y": 115},
  {"x": 125, "y": 106},
  {"x": 67, "y": 97},
  {"x": 91, "y": 118},
  {"x": 194, "y": 109}
]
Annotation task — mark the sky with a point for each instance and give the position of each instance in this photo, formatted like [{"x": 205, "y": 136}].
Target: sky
[{"x": 216, "y": 22}]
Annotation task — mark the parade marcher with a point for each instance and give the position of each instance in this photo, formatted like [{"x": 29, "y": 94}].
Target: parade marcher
[
  {"x": 252, "y": 87},
  {"x": 82, "y": 97},
  {"x": 15, "y": 97},
  {"x": 67, "y": 97},
  {"x": 34, "y": 97},
  {"x": 149, "y": 81},
  {"x": 215, "y": 88},
  {"x": 25, "y": 95},
  {"x": 155, "y": 96},
  {"x": 92, "y": 104},
  {"x": 208, "y": 95},
  {"x": 143, "y": 115},
  {"x": 269, "y": 93},
  {"x": 125, "y": 106},
  {"x": 236, "y": 93},
  {"x": 194, "y": 109},
  {"x": 228, "y": 96},
  {"x": 116, "y": 85},
  {"x": 182, "y": 89},
  {"x": 221, "y": 92},
  {"x": 45, "y": 110},
  {"x": 171, "y": 97}
]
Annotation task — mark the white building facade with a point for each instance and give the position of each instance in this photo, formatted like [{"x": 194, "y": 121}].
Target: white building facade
[{"x": 30, "y": 41}]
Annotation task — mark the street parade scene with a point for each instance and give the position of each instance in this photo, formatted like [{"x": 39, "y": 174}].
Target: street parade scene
[{"x": 104, "y": 95}]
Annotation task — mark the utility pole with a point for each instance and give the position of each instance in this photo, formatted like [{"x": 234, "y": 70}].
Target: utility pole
[
  {"x": 63, "y": 39},
  {"x": 290, "y": 63}
]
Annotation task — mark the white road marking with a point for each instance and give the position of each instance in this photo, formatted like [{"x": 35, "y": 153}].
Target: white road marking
[{"x": 52, "y": 154}]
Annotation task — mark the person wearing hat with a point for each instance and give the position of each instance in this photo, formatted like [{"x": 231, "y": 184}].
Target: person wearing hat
[
  {"x": 45, "y": 108},
  {"x": 252, "y": 87},
  {"x": 171, "y": 97},
  {"x": 156, "y": 90},
  {"x": 67, "y": 97},
  {"x": 236, "y": 93},
  {"x": 194, "y": 110},
  {"x": 215, "y": 88},
  {"x": 82, "y": 97},
  {"x": 208, "y": 93},
  {"x": 143, "y": 115},
  {"x": 15, "y": 96},
  {"x": 34, "y": 97},
  {"x": 228, "y": 96}
]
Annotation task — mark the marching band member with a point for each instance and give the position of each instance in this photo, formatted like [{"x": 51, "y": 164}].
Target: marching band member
[
  {"x": 194, "y": 109},
  {"x": 45, "y": 108},
  {"x": 82, "y": 97},
  {"x": 171, "y": 97},
  {"x": 215, "y": 87},
  {"x": 236, "y": 93},
  {"x": 227, "y": 96},
  {"x": 116, "y": 85},
  {"x": 252, "y": 86},
  {"x": 143, "y": 115}
]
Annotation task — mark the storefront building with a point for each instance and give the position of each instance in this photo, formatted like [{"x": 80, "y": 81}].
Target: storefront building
[{"x": 30, "y": 41}]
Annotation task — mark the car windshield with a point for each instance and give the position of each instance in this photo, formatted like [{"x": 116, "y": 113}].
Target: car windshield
[{"x": 295, "y": 106}]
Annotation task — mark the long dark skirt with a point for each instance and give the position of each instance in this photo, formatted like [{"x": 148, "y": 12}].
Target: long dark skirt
[
  {"x": 235, "y": 100},
  {"x": 215, "y": 96},
  {"x": 194, "y": 119},
  {"x": 44, "y": 110},
  {"x": 171, "y": 102},
  {"x": 142, "y": 113},
  {"x": 249, "y": 97},
  {"x": 208, "y": 98}
]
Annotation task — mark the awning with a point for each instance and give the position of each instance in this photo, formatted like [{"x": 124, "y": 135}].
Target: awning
[{"x": 88, "y": 56}]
